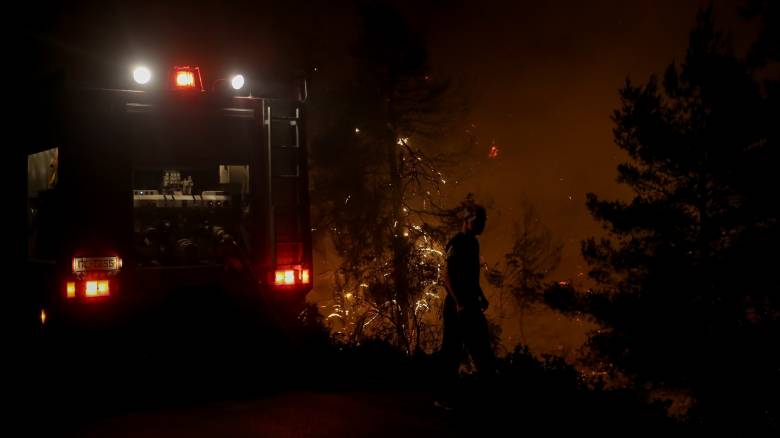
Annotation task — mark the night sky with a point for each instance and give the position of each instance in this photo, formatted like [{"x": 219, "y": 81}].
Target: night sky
[
  {"x": 544, "y": 77},
  {"x": 547, "y": 79}
]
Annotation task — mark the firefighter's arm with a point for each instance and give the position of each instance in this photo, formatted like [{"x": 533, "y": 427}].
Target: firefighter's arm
[
  {"x": 450, "y": 290},
  {"x": 457, "y": 284}
]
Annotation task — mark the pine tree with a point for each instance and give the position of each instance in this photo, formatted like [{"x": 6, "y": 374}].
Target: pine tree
[{"x": 685, "y": 296}]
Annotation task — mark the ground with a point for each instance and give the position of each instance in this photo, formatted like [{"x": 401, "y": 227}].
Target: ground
[{"x": 288, "y": 414}]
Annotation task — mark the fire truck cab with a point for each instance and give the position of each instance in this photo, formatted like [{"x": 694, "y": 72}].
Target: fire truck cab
[{"x": 155, "y": 194}]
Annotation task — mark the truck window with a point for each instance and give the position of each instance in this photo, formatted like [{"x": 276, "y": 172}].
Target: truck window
[
  {"x": 42, "y": 211},
  {"x": 186, "y": 216}
]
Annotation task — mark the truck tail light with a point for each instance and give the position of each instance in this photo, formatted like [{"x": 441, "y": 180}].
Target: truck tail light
[
  {"x": 90, "y": 288},
  {"x": 96, "y": 288},
  {"x": 305, "y": 276},
  {"x": 291, "y": 276},
  {"x": 284, "y": 277},
  {"x": 70, "y": 289}
]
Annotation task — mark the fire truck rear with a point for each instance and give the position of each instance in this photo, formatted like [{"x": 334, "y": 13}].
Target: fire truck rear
[{"x": 174, "y": 191}]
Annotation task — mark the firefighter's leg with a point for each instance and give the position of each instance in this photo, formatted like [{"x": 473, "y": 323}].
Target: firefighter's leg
[
  {"x": 476, "y": 336},
  {"x": 452, "y": 348}
]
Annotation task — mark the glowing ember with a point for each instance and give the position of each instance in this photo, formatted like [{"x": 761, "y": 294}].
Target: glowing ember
[{"x": 493, "y": 150}]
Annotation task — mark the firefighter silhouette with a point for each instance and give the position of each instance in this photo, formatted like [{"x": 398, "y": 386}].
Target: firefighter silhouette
[{"x": 465, "y": 325}]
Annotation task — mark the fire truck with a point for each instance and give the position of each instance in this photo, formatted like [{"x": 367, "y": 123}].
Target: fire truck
[{"x": 166, "y": 191}]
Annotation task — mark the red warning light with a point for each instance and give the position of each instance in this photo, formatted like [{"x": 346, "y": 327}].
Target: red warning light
[{"x": 186, "y": 78}]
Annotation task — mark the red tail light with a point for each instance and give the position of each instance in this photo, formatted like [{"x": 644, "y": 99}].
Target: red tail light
[
  {"x": 292, "y": 276},
  {"x": 70, "y": 289},
  {"x": 96, "y": 288},
  {"x": 305, "y": 276},
  {"x": 284, "y": 277},
  {"x": 88, "y": 288}
]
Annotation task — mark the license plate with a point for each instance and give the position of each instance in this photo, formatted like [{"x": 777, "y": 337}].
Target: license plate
[{"x": 83, "y": 264}]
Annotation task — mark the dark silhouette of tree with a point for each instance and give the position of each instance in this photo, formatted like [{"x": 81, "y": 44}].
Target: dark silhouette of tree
[
  {"x": 766, "y": 48},
  {"x": 685, "y": 296},
  {"x": 524, "y": 271},
  {"x": 378, "y": 176}
]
